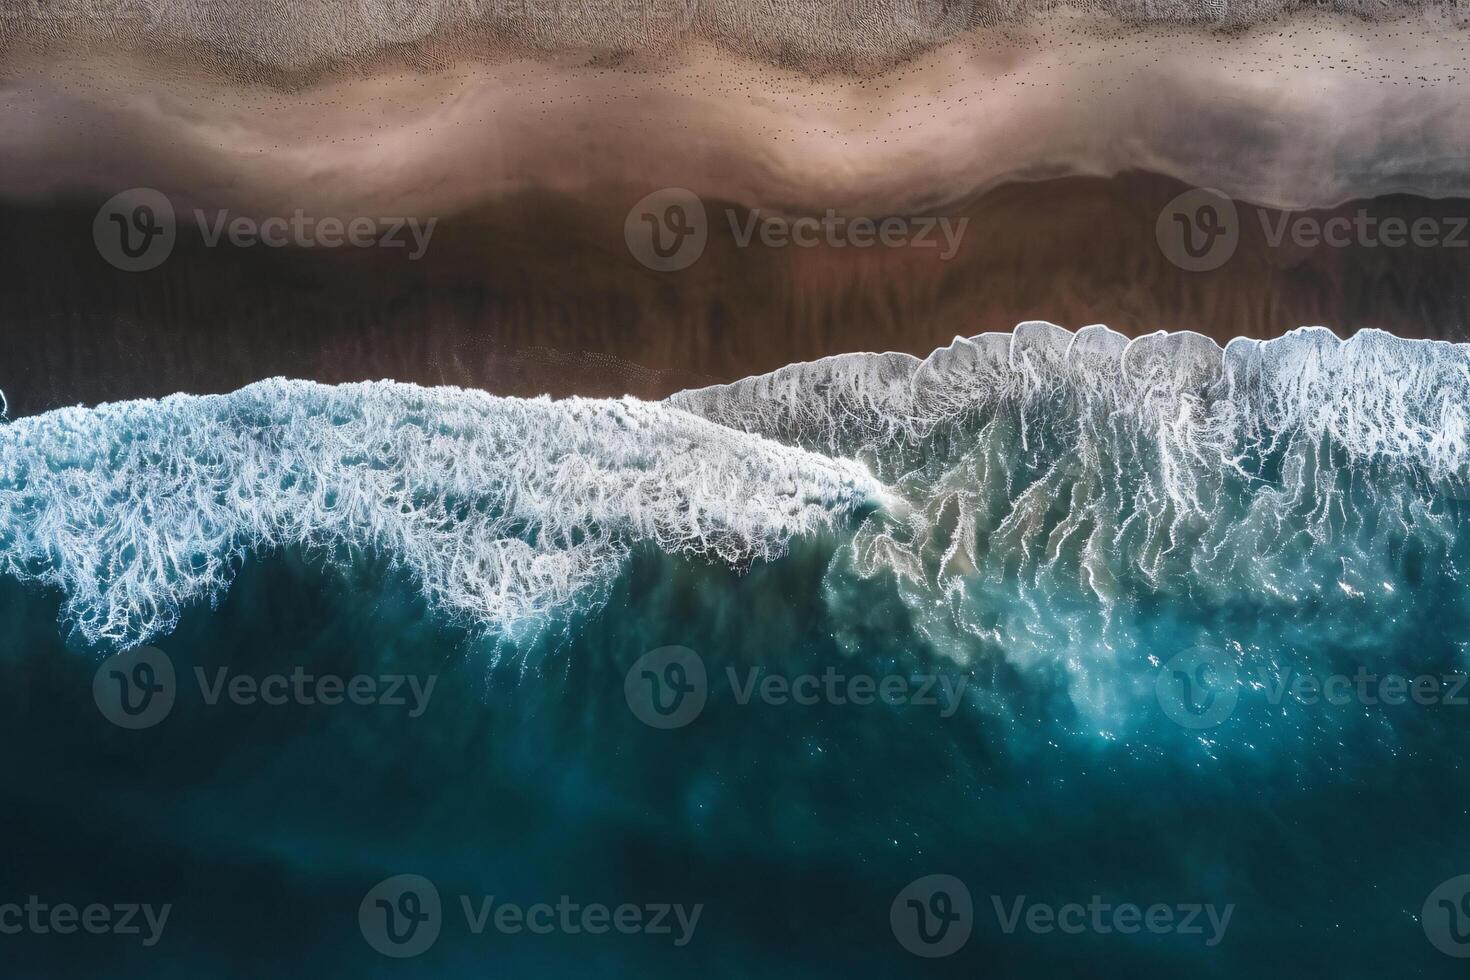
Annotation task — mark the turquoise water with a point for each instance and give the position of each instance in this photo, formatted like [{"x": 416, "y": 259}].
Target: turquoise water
[{"x": 1110, "y": 565}]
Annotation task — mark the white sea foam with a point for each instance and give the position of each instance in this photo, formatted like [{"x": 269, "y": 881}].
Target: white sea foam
[
  {"x": 1378, "y": 395},
  {"x": 1029, "y": 486},
  {"x": 1058, "y": 483},
  {"x": 509, "y": 512}
]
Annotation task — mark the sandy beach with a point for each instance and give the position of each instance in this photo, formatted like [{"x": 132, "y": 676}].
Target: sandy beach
[{"x": 1024, "y": 164}]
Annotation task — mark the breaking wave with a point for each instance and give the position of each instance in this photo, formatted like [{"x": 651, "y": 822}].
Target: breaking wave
[
  {"x": 1070, "y": 497},
  {"x": 509, "y": 512},
  {"x": 1040, "y": 498}
]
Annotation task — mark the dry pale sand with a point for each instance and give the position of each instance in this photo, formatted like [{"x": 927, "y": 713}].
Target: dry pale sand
[{"x": 1306, "y": 111}]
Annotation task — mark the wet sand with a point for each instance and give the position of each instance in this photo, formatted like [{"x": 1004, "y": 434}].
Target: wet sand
[{"x": 540, "y": 294}]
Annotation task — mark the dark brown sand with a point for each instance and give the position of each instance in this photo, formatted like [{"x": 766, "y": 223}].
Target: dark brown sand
[{"x": 540, "y": 295}]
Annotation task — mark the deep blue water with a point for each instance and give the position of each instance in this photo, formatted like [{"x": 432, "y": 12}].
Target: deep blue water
[{"x": 795, "y": 826}]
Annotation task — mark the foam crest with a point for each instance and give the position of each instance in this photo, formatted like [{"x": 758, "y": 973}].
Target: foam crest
[
  {"x": 1057, "y": 483},
  {"x": 1379, "y": 395},
  {"x": 509, "y": 512},
  {"x": 1026, "y": 494}
]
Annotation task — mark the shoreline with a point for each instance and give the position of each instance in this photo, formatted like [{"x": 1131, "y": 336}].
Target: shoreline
[
  {"x": 542, "y": 295},
  {"x": 717, "y": 389}
]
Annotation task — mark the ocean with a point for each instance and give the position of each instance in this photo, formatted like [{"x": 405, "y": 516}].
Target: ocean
[{"x": 1050, "y": 654}]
